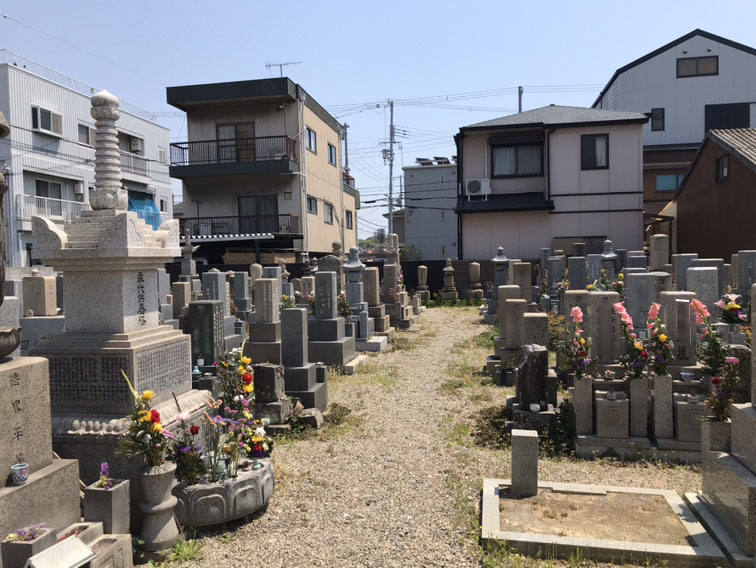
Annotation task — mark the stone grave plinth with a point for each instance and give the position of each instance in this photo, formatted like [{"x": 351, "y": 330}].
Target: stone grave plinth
[
  {"x": 327, "y": 341},
  {"x": 110, "y": 259},
  {"x": 475, "y": 293},
  {"x": 264, "y": 344},
  {"x": 300, "y": 375},
  {"x": 376, "y": 307},
  {"x": 165, "y": 299},
  {"x": 422, "y": 283},
  {"x": 365, "y": 337},
  {"x": 530, "y": 407},
  {"x": 215, "y": 287},
  {"x": 40, "y": 319},
  {"x": 501, "y": 278},
  {"x": 51, "y": 494},
  {"x": 449, "y": 291}
]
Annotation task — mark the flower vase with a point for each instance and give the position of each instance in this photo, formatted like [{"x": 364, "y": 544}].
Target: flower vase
[
  {"x": 159, "y": 528},
  {"x": 715, "y": 435},
  {"x": 110, "y": 506},
  {"x": 17, "y": 552}
]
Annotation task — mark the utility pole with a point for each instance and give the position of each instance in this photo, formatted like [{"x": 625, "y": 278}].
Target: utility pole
[
  {"x": 280, "y": 66},
  {"x": 391, "y": 171},
  {"x": 519, "y": 99}
]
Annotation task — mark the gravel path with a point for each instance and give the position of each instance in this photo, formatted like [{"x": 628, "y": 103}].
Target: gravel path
[
  {"x": 398, "y": 483},
  {"x": 374, "y": 494}
]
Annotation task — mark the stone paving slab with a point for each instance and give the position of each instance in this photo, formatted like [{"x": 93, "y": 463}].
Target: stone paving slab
[{"x": 705, "y": 552}]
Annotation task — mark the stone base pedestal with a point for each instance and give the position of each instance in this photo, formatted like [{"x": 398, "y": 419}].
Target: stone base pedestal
[
  {"x": 374, "y": 344},
  {"x": 337, "y": 352},
  {"x": 156, "y": 359},
  {"x": 51, "y": 495},
  {"x": 93, "y": 438},
  {"x": 208, "y": 504},
  {"x": 36, "y": 329},
  {"x": 449, "y": 295},
  {"x": 302, "y": 383}
]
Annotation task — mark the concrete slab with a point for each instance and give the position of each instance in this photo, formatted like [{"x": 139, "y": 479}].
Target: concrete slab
[
  {"x": 704, "y": 551},
  {"x": 351, "y": 367},
  {"x": 734, "y": 553}
]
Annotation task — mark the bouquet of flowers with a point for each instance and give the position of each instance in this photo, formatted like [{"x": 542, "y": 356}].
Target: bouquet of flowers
[
  {"x": 723, "y": 388},
  {"x": 580, "y": 346},
  {"x": 186, "y": 453},
  {"x": 345, "y": 310},
  {"x": 236, "y": 379},
  {"x": 145, "y": 436},
  {"x": 258, "y": 443},
  {"x": 105, "y": 481},
  {"x": 711, "y": 351},
  {"x": 659, "y": 344},
  {"x": 636, "y": 357},
  {"x": 731, "y": 309},
  {"x": 287, "y": 302},
  {"x": 26, "y": 535}
]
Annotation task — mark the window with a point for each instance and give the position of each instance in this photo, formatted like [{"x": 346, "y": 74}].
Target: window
[
  {"x": 723, "y": 168},
  {"x": 517, "y": 161},
  {"x": 727, "y": 115},
  {"x": 162, "y": 155},
  {"x": 328, "y": 213},
  {"x": 163, "y": 206},
  {"x": 47, "y": 121},
  {"x": 669, "y": 182},
  {"x": 48, "y": 189},
  {"x": 657, "y": 119},
  {"x": 312, "y": 205},
  {"x": 697, "y": 66},
  {"x": 312, "y": 140},
  {"x": 86, "y": 135},
  {"x": 331, "y": 154},
  {"x": 349, "y": 219},
  {"x": 594, "y": 152}
]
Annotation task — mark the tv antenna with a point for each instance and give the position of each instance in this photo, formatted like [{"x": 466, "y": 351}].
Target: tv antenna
[{"x": 280, "y": 66}]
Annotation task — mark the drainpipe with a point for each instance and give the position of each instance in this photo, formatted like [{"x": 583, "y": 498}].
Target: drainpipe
[
  {"x": 340, "y": 181},
  {"x": 459, "y": 138},
  {"x": 303, "y": 178}
]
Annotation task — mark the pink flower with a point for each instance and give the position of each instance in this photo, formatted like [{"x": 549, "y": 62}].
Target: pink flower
[
  {"x": 720, "y": 304},
  {"x": 653, "y": 313},
  {"x": 576, "y": 314},
  {"x": 627, "y": 320},
  {"x": 619, "y": 307},
  {"x": 651, "y": 325},
  {"x": 732, "y": 361},
  {"x": 701, "y": 310}
]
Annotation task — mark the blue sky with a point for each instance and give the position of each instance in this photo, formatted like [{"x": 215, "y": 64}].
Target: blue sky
[{"x": 357, "y": 52}]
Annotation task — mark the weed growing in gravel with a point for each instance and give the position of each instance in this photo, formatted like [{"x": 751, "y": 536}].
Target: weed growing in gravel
[
  {"x": 183, "y": 551},
  {"x": 486, "y": 339},
  {"x": 337, "y": 414}
]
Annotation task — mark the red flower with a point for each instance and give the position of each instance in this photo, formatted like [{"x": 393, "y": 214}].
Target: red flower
[
  {"x": 154, "y": 416},
  {"x": 195, "y": 429},
  {"x": 715, "y": 380},
  {"x": 644, "y": 354},
  {"x": 247, "y": 378}
]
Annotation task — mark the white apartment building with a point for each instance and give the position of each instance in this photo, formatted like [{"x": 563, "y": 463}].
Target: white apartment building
[
  {"x": 48, "y": 159},
  {"x": 430, "y": 197}
]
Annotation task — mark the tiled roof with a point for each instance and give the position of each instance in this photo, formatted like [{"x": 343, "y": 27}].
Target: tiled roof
[
  {"x": 555, "y": 115},
  {"x": 740, "y": 141}
]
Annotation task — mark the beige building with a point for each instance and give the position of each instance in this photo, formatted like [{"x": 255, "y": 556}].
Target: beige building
[
  {"x": 549, "y": 177},
  {"x": 262, "y": 170}
]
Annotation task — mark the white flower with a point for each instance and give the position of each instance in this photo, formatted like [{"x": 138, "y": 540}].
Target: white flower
[
  {"x": 183, "y": 416},
  {"x": 260, "y": 431}
]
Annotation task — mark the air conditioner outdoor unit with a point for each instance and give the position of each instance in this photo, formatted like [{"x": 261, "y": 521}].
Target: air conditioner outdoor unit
[
  {"x": 477, "y": 187},
  {"x": 79, "y": 188},
  {"x": 136, "y": 145}
]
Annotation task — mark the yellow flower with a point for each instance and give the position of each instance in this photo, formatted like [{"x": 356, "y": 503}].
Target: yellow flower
[
  {"x": 248, "y": 388},
  {"x": 621, "y": 276},
  {"x": 144, "y": 416},
  {"x": 590, "y": 286},
  {"x": 246, "y": 360},
  {"x": 157, "y": 427},
  {"x": 148, "y": 395},
  {"x": 242, "y": 370},
  {"x": 247, "y": 415},
  {"x": 582, "y": 341},
  {"x": 638, "y": 346},
  {"x": 257, "y": 439},
  {"x": 663, "y": 338},
  {"x": 732, "y": 306}
]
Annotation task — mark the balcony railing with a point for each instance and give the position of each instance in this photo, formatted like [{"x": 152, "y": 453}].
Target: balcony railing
[
  {"x": 133, "y": 164},
  {"x": 348, "y": 180},
  {"x": 232, "y": 151},
  {"x": 28, "y": 206},
  {"x": 235, "y": 226}
]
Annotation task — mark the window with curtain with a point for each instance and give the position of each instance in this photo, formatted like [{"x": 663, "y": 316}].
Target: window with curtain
[
  {"x": 594, "y": 151},
  {"x": 516, "y": 161}
]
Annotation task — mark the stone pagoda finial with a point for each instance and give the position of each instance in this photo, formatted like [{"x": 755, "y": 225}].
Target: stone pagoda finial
[{"x": 108, "y": 192}]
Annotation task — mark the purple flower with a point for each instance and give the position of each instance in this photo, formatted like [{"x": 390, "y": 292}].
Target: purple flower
[
  {"x": 104, "y": 469},
  {"x": 186, "y": 449}
]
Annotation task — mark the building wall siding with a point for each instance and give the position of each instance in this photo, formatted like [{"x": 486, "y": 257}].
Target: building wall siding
[{"x": 715, "y": 219}]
